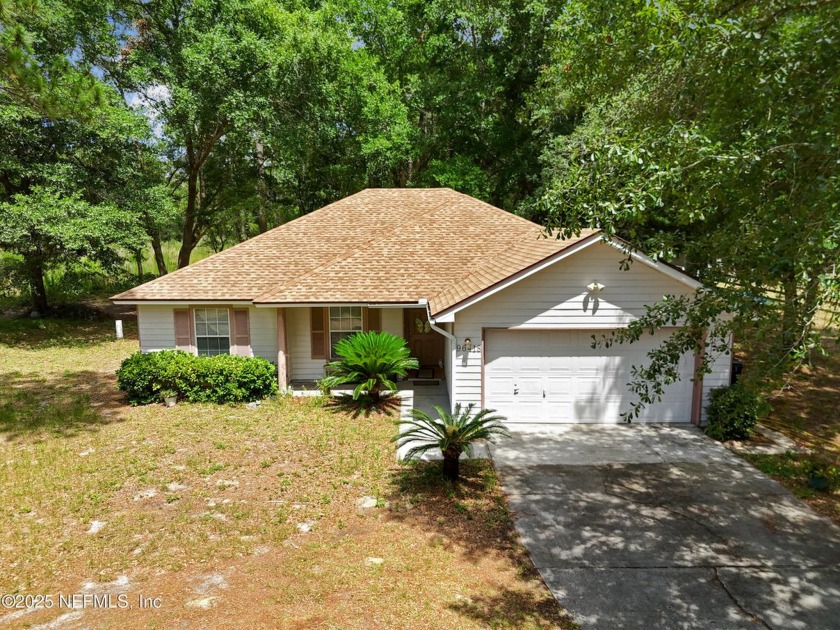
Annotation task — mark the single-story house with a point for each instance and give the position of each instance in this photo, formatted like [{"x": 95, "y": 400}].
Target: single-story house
[{"x": 500, "y": 314}]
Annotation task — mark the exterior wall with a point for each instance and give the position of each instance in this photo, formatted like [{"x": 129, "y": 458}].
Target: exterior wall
[
  {"x": 263, "y": 332},
  {"x": 556, "y": 298},
  {"x": 157, "y": 330},
  {"x": 392, "y": 321},
  {"x": 719, "y": 376},
  {"x": 302, "y": 367},
  {"x": 156, "y": 326},
  {"x": 449, "y": 363}
]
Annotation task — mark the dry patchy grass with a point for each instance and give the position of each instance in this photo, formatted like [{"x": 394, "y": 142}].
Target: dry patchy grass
[
  {"x": 200, "y": 505},
  {"x": 806, "y": 411}
]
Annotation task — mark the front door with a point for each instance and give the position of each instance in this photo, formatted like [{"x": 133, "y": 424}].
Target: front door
[{"x": 425, "y": 344}]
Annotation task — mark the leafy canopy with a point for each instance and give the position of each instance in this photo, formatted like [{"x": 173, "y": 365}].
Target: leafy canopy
[{"x": 707, "y": 133}]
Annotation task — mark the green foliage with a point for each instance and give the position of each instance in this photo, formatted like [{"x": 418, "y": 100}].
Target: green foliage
[
  {"x": 464, "y": 71},
  {"x": 72, "y": 191},
  {"x": 371, "y": 360},
  {"x": 142, "y": 376},
  {"x": 458, "y": 173},
  {"x": 270, "y": 110},
  {"x": 37, "y": 66},
  {"x": 733, "y": 412},
  {"x": 822, "y": 474},
  {"x": 451, "y": 433},
  {"x": 704, "y": 132},
  {"x": 813, "y": 471},
  {"x": 46, "y": 227},
  {"x": 218, "y": 379}
]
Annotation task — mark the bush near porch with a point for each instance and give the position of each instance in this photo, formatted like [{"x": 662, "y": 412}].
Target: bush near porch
[{"x": 146, "y": 378}]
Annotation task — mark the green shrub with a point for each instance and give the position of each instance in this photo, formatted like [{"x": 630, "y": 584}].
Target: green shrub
[
  {"x": 220, "y": 379},
  {"x": 733, "y": 412},
  {"x": 451, "y": 433},
  {"x": 372, "y": 361},
  {"x": 821, "y": 473}
]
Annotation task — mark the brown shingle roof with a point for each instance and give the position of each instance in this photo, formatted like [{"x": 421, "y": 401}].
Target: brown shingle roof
[{"x": 377, "y": 246}]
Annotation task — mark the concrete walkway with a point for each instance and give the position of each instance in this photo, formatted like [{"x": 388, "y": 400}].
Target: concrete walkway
[{"x": 655, "y": 526}]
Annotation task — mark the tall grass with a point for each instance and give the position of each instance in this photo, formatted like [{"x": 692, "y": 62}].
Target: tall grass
[
  {"x": 170, "y": 255},
  {"x": 68, "y": 284}
]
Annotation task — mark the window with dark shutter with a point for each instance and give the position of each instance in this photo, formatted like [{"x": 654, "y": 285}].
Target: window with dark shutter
[{"x": 183, "y": 330}]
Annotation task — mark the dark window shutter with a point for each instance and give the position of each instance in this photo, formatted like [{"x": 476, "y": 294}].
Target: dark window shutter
[
  {"x": 242, "y": 332},
  {"x": 374, "y": 319},
  {"x": 318, "y": 329},
  {"x": 183, "y": 332}
]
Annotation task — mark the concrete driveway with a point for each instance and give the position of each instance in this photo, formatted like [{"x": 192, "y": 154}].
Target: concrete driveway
[{"x": 655, "y": 526}]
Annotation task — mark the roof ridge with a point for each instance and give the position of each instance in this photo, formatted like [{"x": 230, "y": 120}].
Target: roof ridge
[
  {"x": 500, "y": 249},
  {"x": 199, "y": 263},
  {"x": 497, "y": 209},
  {"x": 367, "y": 245}
]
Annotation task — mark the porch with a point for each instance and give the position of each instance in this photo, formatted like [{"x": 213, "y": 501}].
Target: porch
[{"x": 306, "y": 338}]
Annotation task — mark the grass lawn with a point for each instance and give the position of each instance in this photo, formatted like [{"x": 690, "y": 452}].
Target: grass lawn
[
  {"x": 205, "y": 507},
  {"x": 806, "y": 410}
]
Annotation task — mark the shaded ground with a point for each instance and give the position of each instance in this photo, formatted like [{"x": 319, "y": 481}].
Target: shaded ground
[
  {"x": 290, "y": 515},
  {"x": 806, "y": 410},
  {"x": 660, "y": 527}
]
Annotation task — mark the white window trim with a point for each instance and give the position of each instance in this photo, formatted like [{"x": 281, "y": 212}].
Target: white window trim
[
  {"x": 197, "y": 336},
  {"x": 330, "y": 329}
]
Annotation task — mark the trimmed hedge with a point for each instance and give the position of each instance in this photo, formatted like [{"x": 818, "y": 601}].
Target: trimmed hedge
[
  {"x": 733, "y": 412},
  {"x": 219, "y": 379}
]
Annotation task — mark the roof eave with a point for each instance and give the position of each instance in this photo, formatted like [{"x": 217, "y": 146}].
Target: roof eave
[{"x": 447, "y": 314}]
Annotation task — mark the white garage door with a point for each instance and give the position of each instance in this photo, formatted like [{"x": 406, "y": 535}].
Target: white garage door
[{"x": 555, "y": 377}]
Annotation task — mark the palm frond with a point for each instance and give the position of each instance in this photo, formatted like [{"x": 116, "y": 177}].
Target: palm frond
[
  {"x": 371, "y": 361},
  {"x": 456, "y": 431}
]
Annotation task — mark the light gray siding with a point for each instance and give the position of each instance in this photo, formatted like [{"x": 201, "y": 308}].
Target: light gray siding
[
  {"x": 263, "y": 332},
  {"x": 156, "y": 326},
  {"x": 157, "y": 330},
  {"x": 556, "y": 298},
  {"x": 302, "y": 366},
  {"x": 392, "y": 321},
  {"x": 448, "y": 363}
]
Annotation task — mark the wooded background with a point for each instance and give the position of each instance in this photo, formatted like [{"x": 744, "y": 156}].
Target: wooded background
[{"x": 137, "y": 136}]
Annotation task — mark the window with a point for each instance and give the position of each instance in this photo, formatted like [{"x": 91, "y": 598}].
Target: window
[
  {"x": 344, "y": 321},
  {"x": 212, "y": 331}
]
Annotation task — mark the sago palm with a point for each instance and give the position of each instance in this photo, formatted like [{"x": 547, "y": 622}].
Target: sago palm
[
  {"x": 451, "y": 433},
  {"x": 373, "y": 360}
]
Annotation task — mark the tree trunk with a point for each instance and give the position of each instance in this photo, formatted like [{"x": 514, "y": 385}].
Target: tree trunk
[
  {"x": 160, "y": 261},
  {"x": 790, "y": 313},
  {"x": 36, "y": 285},
  {"x": 188, "y": 239},
  {"x": 451, "y": 464},
  {"x": 262, "y": 189},
  {"x": 138, "y": 257}
]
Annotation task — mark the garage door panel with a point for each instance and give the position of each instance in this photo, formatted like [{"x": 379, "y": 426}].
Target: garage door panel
[
  {"x": 559, "y": 384},
  {"x": 560, "y": 378}
]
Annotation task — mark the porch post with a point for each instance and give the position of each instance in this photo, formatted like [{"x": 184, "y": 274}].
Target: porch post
[{"x": 282, "y": 355}]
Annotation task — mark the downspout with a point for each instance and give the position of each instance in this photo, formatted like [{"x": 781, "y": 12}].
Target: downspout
[
  {"x": 432, "y": 324},
  {"x": 451, "y": 337}
]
